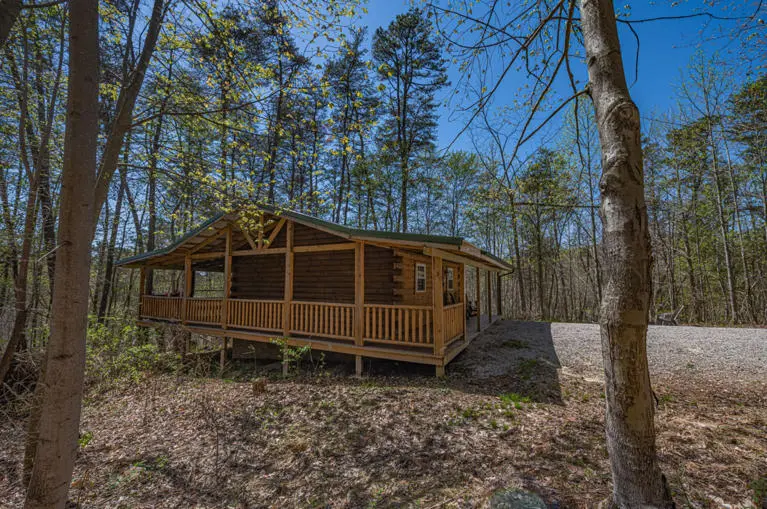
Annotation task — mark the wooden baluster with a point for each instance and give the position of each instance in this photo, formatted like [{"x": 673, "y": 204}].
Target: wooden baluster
[{"x": 406, "y": 336}]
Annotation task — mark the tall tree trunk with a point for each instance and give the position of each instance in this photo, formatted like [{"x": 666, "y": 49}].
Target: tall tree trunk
[
  {"x": 518, "y": 257},
  {"x": 637, "y": 478},
  {"x": 124, "y": 112},
  {"x": 741, "y": 240},
  {"x": 62, "y": 381},
  {"x": 110, "y": 256},
  {"x": 732, "y": 302},
  {"x": 17, "y": 340}
]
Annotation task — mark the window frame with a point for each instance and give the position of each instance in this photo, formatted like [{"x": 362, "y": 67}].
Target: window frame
[
  {"x": 419, "y": 266},
  {"x": 450, "y": 279}
]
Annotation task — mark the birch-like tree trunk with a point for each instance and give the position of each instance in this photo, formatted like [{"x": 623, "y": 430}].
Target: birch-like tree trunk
[
  {"x": 637, "y": 478},
  {"x": 65, "y": 355}
]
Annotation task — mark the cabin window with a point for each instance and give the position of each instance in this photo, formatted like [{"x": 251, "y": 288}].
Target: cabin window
[
  {"x": 450, "y": 279},
  {"x": 420, "y": 277}
]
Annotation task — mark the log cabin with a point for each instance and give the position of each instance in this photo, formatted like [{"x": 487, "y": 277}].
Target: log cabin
[{"x": 397, "y": 296}]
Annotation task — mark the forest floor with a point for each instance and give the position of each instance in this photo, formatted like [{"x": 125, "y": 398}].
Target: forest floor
[{"x": 522, "y": 407}]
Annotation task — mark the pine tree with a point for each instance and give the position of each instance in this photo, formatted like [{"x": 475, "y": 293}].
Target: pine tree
[{"x": 410, "y": 64}]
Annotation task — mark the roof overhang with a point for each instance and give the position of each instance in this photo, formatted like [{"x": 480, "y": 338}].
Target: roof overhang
[{"x": 455, "y": 248}]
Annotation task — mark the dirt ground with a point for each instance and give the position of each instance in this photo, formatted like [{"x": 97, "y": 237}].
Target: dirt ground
[{"x": 399, "y": 437}]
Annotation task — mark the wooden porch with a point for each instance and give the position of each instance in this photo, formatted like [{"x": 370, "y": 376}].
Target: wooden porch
[
  {"x": 397, "y": 332},
  {"x": 353, "y": 292}
]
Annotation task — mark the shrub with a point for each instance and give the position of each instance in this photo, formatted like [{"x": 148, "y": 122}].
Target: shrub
[{"x": 123, "y": 352}]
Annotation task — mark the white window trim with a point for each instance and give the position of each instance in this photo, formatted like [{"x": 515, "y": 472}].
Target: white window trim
[
  {"x": 450, "y": 276},
  {"x": 417, "y": 266}
]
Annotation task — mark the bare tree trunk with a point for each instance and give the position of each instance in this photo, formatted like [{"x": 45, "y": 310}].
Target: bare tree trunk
[
  {"x": 65, "y": 356},
  {"x": 723, "y": 226},
  {"x": 518, "y": 257},
  {"x": 637, "y": 478},
  {"x": 124, "y": 112},
  {"x": 20, "y": 282},
  {"x": 110, "y": 255}
]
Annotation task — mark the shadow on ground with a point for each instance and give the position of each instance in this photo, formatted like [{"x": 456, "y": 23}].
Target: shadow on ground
[
  {"x": 511, "y": 357},
  {"x": 508, "y": 357}
]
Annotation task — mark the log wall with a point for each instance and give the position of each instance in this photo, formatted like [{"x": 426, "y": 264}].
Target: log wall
[
  {"x": 405, "y": 280},
  {"x": 258, "y": 277},
  {"x": 324, "y": 276}
]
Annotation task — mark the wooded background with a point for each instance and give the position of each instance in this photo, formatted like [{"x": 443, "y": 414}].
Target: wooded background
[{"x": 205, "y": 108}]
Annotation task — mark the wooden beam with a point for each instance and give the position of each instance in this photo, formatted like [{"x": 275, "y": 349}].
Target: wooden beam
[
  {"x": 359, "y": 293},
  {"x": 391, "y": 243},
  {"x": 209, "y": 240},
  {"x": 187, "y": 285},
  {"x": 316, "y": 344},
  {"x": 247, "y": 237},
  {"x": 256, "y": 252},
  {"x": 479, "y": 301},
  {"x": 470, "y": 249},
  {"x": 208, "y": 256},
  {"x": 438, "y": 304},
  {"x": 288, "y": 297},
  {"x": 326, "y": 247},
  {"x": 227, "y": 279},
  {"x": 275, "y": 232},
  {"x": 260, "y": 240},
  {"x": 463, "y": 299},
  {"x": 141, "y": 287},
  {"x": 499, "y": 297},
  {"x": 457, "y": 258},
  {"x": 489, "y": 299},
  {"x": 222, "y": 358}
]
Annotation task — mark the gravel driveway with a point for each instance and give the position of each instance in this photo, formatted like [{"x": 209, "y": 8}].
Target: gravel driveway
[{"x": 731, "y": 354}]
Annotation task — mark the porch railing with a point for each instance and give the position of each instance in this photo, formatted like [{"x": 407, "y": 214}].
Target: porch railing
[
  {"x": 403, "y": 325},
  {"x": 205, "y": 311},
  {"x": 255, "y": 314},
  {"x": 156, "y": 306},
  {"x": 322, "y": 319},
  {"x": 454, "y": 322}
]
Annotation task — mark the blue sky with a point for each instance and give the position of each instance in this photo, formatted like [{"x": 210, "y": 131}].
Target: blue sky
[{"x": 666, "y": 48}]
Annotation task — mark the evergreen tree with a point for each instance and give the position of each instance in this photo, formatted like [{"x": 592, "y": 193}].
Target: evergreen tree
[{"x": 410, "y": 64}]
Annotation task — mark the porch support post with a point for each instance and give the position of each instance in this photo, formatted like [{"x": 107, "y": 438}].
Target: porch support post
[
  {"x": 438, "y": 305},
  {"x": 227, "y": 280},
  {"x": 479, "y": 300},
  {"x": 489, "y": 298},
  {"x": 187, "y": 285},
  {"x": 222, "y": 357},
  {"x": 499, "y": 297},
  {"x": 359, "y": 302},
  {"x": 288, "y": 297},
  {"x": 463, "y": 301},
  {"x": 141, "y": 288}
]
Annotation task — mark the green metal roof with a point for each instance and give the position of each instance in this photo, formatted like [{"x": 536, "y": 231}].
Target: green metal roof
[
  {"x": 159, "y": 252},
  {"x": 354, "y": 232},
  {"x": 341, "y": 230}
]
